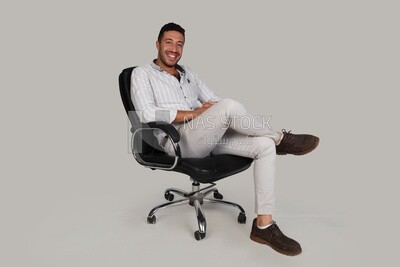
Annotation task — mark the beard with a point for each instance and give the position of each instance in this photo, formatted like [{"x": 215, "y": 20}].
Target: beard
[{"x": 164, "y": 59}]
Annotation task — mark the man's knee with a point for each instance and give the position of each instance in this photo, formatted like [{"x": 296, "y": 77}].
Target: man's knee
[
  {"x": 228, "y": 105},
  {"x": 228, "y": 102}
]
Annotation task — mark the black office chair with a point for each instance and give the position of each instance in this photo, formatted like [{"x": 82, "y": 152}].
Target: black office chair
[{"x": 206, "y": 170}]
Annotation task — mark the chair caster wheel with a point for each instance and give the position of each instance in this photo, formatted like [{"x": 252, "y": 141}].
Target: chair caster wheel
[
  {"x": 217, "y": 195},
  {"x": 168, "y": 196},
  {"x": 242, "y": 218},
  {"x": 151, "y": 220},
  {"x": 199, "y": 236}
]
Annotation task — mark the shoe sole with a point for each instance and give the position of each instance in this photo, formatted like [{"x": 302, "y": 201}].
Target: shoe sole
[
  {"x": 264, "y": 242},
  {"x": 304, "y": 152}
]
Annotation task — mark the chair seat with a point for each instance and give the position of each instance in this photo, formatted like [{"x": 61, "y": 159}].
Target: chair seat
[{"x": 204, "y": 170}]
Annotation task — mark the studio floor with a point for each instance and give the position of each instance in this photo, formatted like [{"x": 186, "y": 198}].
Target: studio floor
[{"x": 109, "y": 228}]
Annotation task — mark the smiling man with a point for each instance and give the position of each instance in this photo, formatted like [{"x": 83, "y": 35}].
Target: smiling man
[
  {"x": 169, "y": 92},
  {"x": 170, "y": 48}
]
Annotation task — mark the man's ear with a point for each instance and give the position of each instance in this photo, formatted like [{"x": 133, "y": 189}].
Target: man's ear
[{"x": 158, "y": 45}]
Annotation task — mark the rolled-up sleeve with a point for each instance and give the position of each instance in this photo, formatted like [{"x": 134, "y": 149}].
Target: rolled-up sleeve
[{"x": 143, "y": 99}]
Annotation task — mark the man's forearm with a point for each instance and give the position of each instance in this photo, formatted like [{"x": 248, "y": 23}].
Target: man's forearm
[
  {"x": 185, "y": 115},
  {"x": 188, "y": 115}
]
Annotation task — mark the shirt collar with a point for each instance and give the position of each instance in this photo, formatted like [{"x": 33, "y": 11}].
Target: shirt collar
[{"x": 156, "y": 67}]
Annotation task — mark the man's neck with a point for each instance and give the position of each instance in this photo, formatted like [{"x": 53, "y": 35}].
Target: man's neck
[{"x": 170, "y": 70}]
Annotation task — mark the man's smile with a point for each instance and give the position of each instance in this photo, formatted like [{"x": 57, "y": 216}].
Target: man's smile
[{"x": 172, "y": 55}]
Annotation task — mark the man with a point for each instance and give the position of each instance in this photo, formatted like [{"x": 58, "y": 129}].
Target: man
[{"x": 166, "y": 91}]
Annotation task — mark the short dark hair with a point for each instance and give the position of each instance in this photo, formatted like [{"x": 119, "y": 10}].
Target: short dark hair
[{"x": 170, "y": 27}]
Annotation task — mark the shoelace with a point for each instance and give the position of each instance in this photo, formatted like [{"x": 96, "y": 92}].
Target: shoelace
[
  {"x": 275, "y": 229},
  {"x": 288, "y": 135}
]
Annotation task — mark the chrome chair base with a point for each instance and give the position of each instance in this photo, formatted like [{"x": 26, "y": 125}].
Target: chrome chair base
[{"x": 196, "y": 198}]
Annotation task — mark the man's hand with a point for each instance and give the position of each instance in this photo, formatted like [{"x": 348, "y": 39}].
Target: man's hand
[
  {"x": 207, "y": 104},
  {"x": 203, "y": 107},
  {"x": 188, "y": 115}
]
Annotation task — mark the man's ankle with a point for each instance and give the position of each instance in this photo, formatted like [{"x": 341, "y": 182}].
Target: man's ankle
[
  {"x": 263, "y": 220},
  {"x": 278, "y": 139}
]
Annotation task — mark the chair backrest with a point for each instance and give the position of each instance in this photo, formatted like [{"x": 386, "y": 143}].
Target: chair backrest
[
  {"x": 149, "y": 144},
  {"x": 125, "y": 90}
]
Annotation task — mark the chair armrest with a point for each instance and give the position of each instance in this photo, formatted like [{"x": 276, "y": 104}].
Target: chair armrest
[
  {"x": 173, "y": 136},
  {"x": 167, "y": 128}
]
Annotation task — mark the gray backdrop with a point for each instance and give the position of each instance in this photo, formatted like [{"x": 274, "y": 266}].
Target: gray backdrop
[{"x": 324, "y": 67}]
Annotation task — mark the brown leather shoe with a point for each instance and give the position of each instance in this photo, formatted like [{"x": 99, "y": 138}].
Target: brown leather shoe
[
  {"x": 273, "y": 237},
  {"x": 296, "y": 144}
]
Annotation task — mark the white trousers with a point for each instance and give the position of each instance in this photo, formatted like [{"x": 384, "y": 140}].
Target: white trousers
[{"x": 227, "y": 128}]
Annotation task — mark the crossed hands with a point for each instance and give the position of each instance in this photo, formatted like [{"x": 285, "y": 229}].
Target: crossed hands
[
  {"x": 207, "y": 104},
  {"x": 204, "y": 107}
]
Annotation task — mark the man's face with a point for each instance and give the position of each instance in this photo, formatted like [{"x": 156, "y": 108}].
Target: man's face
[{"x": 170, "y": 48}]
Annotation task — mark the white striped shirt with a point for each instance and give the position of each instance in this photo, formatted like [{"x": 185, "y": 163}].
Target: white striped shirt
[{"x": 158, "y": 95}]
